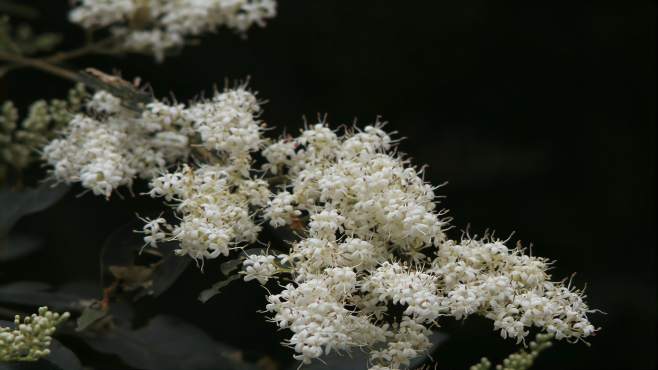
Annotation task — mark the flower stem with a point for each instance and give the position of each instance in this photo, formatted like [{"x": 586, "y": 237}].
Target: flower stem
[
  {"x": 50, "y": 63},
  {"x": 40, "y": 64}
]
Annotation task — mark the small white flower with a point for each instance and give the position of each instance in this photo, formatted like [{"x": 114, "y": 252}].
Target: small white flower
[
  {"x": 280, "y": 210},
  {"x": 258, "y": 267},
  {"x": 155, "y": 231},
  {"x": 104, "y": 102}
]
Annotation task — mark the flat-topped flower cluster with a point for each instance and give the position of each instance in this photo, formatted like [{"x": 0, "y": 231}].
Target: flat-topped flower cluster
[
  {"x": 110, "y": 146},
  {"x": 372, "y": 267},
  {"x": 157, "y": 26}
]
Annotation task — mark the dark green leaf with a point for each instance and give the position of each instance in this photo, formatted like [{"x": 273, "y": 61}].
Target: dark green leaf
[
  {"x": 122, "y": 249},
  {"x": 18, "y": 246},
  {"x": 167, "y": 343},
  {"x": 34, "y": 294},
  {"x": 16, "y": 204},
  {"x": 63, "y": 357},
  {"x": 169, "y": 270}
]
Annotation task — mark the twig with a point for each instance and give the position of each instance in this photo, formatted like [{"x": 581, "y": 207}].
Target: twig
[
  {"x": 62, "y": 56},
  {"x": 20, "y": 10},
  {"x": 40, "y": 65}
]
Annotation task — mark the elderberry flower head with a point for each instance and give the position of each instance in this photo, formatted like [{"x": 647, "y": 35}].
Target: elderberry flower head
[
  {"x": 110, "y": 146},
  {"x": 371, "y": 267},
  {"x": 374, "y": 239}
]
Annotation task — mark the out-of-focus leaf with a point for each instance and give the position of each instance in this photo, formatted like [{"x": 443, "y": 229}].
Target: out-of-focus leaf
[
  {"x": 133, "y": 277},
  {"x": 17, "y": 9},
  {"x": 169, "y": 269},
  {"x": 33, "y": 294},
  {"x": 60, "y": 358},
  {"x": 205, "y": 295},
  {"x": 119, "y": 257},
  {"x": 100, "y": 316},
  {"x": 33, "y": 44},
  {"x": 34, "y": 286},
  {"x": 120, "y": 247},
  {"x": 89, "y": 316},
  {"x": 231, "y": 265},
  {"x": 358, "y": 360},
  {"x": 18, "y": 246},
  {"x": 84, "y": 289},
  {"x": 16, "y": 204},
  {"x": 167, "y": 343}
]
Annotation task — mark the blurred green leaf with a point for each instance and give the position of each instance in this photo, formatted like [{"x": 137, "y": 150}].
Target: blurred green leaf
[
  {"x": 18, "y": 246},
  {"x": 18, "y": 8},
  {"x": 231, "y": 265},
  {"x": 34, "y": 294},
  {"x": 89, "y": 316},
  {"x": 205, "y": 295},
  {"x": 170, "y": 268}
]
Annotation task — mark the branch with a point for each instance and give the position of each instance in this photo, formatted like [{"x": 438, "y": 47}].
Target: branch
[
  {"x": 99, "y": 47},
  {"x": 20, "y": 10},
  {"x": 40, "y": 64}
]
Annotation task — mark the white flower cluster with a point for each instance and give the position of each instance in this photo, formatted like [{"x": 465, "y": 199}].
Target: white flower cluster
[
  {"x": 372, "y": 241},
  {"x": 372, "y": 268},
  {"x": 513, "y": 289},
  {"x": 373, "y": 195},
  {"x": 31, "y": 337},
  {"x": 366, "y": 210},
  {"x": 214, "y": 201},
  {"x": 213, "y": 204},
  {"x": 111, "y": 146},
  {"x": 259, "y": 267},
  {"x": 156, "y": 26}
]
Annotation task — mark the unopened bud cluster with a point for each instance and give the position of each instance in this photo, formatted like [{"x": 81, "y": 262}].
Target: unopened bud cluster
[
  {"x": 521, "y": 360},
  {"x": 31, "y": 337},
  {"x": 157, "y": 26},
  {"x": 21, "y": 141}
]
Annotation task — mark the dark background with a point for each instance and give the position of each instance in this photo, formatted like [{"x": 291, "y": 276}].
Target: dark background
[{"x": 540, "y": 116}]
